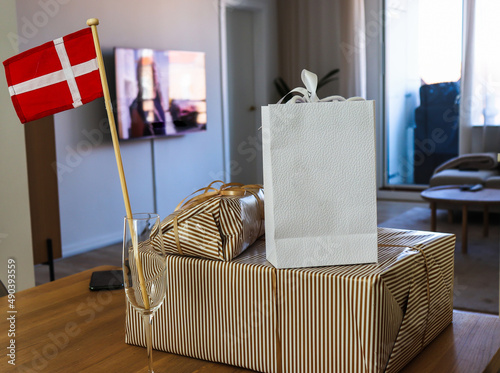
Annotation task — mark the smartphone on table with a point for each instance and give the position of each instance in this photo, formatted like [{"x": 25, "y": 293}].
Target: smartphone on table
[{"x": 106, "y": 280}]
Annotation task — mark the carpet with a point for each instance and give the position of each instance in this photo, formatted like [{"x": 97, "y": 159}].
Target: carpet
[{"x": 476, "y": 286}]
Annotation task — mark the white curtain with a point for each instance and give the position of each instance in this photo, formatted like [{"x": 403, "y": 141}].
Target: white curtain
[
  {"x": 352, "y": 45},
  {"x": 480, "y": 84},
  {"x": 321, "y": 35}
]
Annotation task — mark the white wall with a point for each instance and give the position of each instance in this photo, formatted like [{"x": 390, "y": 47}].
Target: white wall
[
  {"x": 89, "y": 192},
  {"x": 15, "y": 225}
]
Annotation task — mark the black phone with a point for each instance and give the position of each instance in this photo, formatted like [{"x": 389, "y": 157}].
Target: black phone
[{"x": 106, "y": 280}]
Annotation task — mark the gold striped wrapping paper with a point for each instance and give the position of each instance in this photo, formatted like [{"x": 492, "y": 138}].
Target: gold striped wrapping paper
[
  {"x": 359, "y": 318},
  {"x": 219, "y": 228}
]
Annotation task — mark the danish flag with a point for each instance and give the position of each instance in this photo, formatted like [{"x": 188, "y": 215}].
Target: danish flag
[{"x": 55, "y": 76}]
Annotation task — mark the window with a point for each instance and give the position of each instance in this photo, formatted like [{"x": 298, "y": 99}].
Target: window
[{"x": 422, "y": 80}]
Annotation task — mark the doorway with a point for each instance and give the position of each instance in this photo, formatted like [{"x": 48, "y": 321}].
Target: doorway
[
  {"x": 244, "y": 137},
  {"x": 249, "y": 64}
]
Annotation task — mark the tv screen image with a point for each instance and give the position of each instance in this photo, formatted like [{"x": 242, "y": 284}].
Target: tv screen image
[{"x": 160, "y": 93}]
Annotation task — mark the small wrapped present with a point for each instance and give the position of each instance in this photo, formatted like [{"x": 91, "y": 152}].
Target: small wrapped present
[
  {"x": 220, "y": 223},
  {"x": 356, "y": 318}
]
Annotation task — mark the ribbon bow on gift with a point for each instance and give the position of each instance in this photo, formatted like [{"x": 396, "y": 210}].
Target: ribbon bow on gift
[
  {"x": 308, "y": 94},
  {"x": 229, "y": 189}
]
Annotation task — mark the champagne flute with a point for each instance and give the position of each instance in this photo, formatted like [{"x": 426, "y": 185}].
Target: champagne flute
[{"x": 144, "y": 269}]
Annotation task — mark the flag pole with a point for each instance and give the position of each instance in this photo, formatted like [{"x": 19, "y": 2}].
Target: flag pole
[{"x": 93, "y": 22}]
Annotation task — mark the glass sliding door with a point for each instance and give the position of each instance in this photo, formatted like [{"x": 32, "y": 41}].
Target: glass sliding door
[{"x": 422, "y": 79}]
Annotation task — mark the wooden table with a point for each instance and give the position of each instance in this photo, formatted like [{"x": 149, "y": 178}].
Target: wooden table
[
  {"x": 63, "y": 327},
  {"x": 451, "y": 194}
]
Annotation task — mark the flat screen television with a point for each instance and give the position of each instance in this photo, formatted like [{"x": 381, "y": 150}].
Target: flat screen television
[{"x": 159, "y": 93}]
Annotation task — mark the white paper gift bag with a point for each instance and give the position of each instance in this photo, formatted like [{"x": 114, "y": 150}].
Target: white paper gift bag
[{"x": 319, "y": 178}]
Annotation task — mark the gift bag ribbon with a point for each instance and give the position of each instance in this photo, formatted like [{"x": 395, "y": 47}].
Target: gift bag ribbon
[
  {"x": 308, "y": 94},
  {"x": 229, "y": 189}
]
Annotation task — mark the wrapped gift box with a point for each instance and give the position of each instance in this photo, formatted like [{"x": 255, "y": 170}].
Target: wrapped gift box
[
  {"x": 358, "y": 318},
  {"x": 218, "y": 224}
]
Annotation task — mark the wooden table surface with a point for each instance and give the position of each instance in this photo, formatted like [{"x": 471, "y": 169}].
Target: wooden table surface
[{"x": 64, "y": 327}]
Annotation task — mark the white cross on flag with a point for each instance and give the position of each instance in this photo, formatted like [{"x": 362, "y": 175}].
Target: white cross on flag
[{"x": 55, "y": 76}]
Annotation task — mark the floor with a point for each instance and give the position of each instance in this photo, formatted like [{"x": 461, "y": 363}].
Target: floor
[{"x": 111, "y": 255}]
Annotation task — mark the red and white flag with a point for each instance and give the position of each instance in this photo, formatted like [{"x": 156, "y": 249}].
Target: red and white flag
[{"x": 55, "y": 76}]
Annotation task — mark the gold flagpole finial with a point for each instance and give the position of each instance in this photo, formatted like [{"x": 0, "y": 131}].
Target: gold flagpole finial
[{"x": 92, "y": 22}]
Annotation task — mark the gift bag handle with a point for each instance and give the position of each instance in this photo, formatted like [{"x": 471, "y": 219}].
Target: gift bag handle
[
  {"x": 308, "y": 94},
  {"x": 310, "y": 80}
]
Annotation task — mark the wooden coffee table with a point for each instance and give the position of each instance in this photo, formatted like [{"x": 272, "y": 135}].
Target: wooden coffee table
[{"x": 451, "y": 194}]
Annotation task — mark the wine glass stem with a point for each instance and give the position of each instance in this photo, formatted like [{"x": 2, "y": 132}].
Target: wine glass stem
[{"x": 148, "y": 318}]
